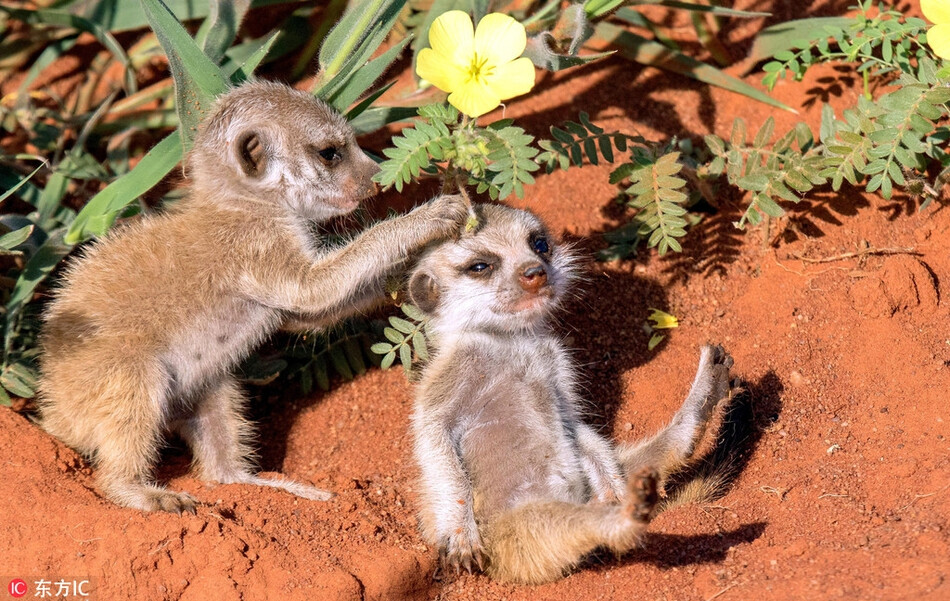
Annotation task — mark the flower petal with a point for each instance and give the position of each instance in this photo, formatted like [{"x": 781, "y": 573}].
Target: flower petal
[
  {"x": 512, "y": 79},
  {"x": 474, "y": 99},
  {"x": 438, "y": 71},
  {"x": 936, "y": 11},
  {"x": 663, "y": 320},
  {"x": 499, "y": 39},
  {"x": 938, "y": 38},
  {"x": 452, "y": 36}
]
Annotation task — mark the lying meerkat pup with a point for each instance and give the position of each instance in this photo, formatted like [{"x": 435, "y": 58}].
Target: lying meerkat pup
[
  {"x": 512, "y": 480},
  {"x": 142, "y": 336}
]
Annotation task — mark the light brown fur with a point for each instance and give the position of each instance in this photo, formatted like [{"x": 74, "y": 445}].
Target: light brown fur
[
  {"x": 512, "y": 477},
  {"x": 142, "y": 337}
]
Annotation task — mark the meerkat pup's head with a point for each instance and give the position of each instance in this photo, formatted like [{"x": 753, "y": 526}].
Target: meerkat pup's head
[
  {"x": 267, "y": 142},
  {"x": 508, "y": 275}
]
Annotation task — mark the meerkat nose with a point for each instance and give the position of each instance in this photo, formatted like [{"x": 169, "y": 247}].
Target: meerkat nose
[{"x": 533, "y": 278}]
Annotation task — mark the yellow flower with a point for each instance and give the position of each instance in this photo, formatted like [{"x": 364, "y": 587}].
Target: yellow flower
[
  {"x": 663, "y": 320},
  {"x": 938, "y": 36},
  {"x": 478, "y": 67}
]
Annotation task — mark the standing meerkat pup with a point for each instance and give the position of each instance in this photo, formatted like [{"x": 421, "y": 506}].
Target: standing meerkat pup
[
  {"x": 143, "y": 335},
  {"x": 513, "y": 480}
]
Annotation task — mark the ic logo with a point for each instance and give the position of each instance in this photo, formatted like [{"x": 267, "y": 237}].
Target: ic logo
[{"x": 17, "y": 587}]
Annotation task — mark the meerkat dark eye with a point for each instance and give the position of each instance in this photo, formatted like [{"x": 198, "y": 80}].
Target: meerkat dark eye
[
  {"x": 540, "y": 245},
  {"x": 480, "y": 268},
  {"x": 329, "y": 155}
]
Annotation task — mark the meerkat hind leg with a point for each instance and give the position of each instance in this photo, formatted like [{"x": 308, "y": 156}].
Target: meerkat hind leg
[
  {"x": 218, "y": 436},
  {"x": 673, "y": 446},
  {"x": 540, "y": 542},
  {"x": 127, "y": 451}
]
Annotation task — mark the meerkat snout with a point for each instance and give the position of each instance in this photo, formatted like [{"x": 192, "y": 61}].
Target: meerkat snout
[{"x": 533, "y": 278}]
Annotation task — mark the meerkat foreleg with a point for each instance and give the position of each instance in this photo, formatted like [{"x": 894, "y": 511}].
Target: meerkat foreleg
[
  {"x": 449, "y": 518},
  {"x": 601, "y": 465},
  {"x": 540, "y": 542},
  {"x": 672, "y": 446},
  {"x": 219, "y": 438},
  {"x": 328, "y": 287}
]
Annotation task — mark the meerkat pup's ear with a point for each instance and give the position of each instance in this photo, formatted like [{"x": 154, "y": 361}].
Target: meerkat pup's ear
[
  {"x": 251, "y": 153},
  {"x": 423, "y": 291}
]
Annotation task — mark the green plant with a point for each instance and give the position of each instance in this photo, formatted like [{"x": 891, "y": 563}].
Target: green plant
[
  {"x": 895, "y": 140},
  {"x": 406, "y": 337}
]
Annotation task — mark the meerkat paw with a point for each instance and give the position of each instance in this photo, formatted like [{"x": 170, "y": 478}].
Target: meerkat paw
[
  {"x": 713, "y": 383},
  {"x": 642, "y": 495},
  {"x": 448, "y": 214},
  {"x": 462, "y": 551},
  {"x": 153, "y": 498}
]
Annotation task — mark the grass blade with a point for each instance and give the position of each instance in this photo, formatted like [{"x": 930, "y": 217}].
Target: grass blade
[
  {"x": 648, "y": 52},
  {"x": 99, "y": 213},
  {"x": 198, "y": 80},
  {"x": 364, "y": 77},
  {"x": 221, "y": 27}
]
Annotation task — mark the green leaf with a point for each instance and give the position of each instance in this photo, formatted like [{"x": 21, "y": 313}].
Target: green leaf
[
  {"x": 655, "y": 340},
  {"x": 703, "y": 8},
  {"x": 306, "y": 380},
  {"x": 648, "y": 52},
  {"x": 220, "y": 28},
  {"x": 405, "y": 357},
  {"x": 790, "y": 34},
  {"x": 19, "y": 380},
  {"x": 356, "y": 37},
  {"x": 381, "y": 348},
  {"x": 388, "y": 360},
  {"x": 43, "y": 261},
  {"x": 364, "y": 77},
  {"x": 402, "y": 325},
  {"x": 756, "y": 182},
  {"x": 764, "y": 134},
  {"x": 412, "y": 312},
  {"x": 198, "y": 80},
  {"x": 393, "y": 336},
  {"x": 24, "y": 181},
  {"x": 354, "y": 356},
  {"x": 340, "y": 364},
  {"x": 15, "y": 238},
  {"x": 419, "y": 345},
  {"x": 768, "y": 206},
  {"x": 100, "y": 212},
  {"x": 126, "y": 15},
  {"x": 244, "y": 71},
  {"x": 321, "y": 373}
]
